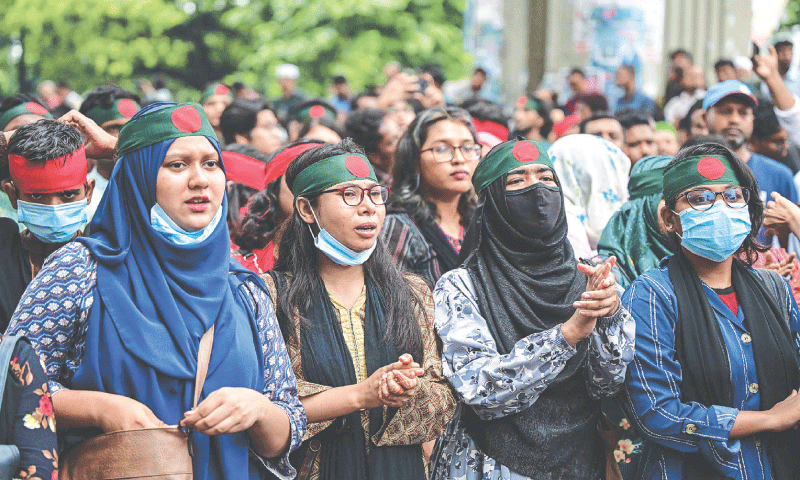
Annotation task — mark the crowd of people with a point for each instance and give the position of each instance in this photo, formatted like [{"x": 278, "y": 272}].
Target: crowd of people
[{"x": 413, "y": 282}]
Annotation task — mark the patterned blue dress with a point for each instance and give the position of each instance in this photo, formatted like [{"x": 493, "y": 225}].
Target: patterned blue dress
[
  {"x": 53, "y": 313},
  {"x": 496, "y": 385}
]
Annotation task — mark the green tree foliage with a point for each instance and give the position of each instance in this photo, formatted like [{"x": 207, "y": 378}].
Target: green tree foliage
[{"x": 91, "y": 41}]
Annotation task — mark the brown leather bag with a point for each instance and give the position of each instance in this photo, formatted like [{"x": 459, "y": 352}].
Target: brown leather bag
[{"x": 153, "y": 453}]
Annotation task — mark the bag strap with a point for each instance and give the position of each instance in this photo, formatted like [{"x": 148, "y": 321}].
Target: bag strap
[
  {"x": 6, "y": 350},
  {"x": 203, "y": 357}
]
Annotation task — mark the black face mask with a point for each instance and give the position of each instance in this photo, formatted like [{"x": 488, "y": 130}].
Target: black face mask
[{"x": 535, "y": 209}]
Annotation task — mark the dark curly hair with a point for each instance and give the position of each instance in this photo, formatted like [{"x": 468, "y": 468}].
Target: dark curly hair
[
  {"x": 298, "y": 257},
  {"x": 751, "y": 246},
  {"x": 40, "y": 142},
  {"x": 405, "y": 196},
  {"x": 104, "y": 97}
]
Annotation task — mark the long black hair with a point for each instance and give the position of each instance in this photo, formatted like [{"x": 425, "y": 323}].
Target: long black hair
[
  {"x": 298, "y": 257},
  {"x": 263, "y": 216},
  {"x": 751, "y": 246},
  {"x": 405, "y": 196}
]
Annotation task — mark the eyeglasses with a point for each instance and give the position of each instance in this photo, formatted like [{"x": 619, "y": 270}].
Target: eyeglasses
[
  {"x": 353, "y": 195},
  {"x": 445, "y": 153},
  {"x": 703, "y": 199}
]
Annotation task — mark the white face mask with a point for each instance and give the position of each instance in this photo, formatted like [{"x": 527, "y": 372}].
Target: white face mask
[
  {"x": 335, "y": 250},
  {"x": 164, "y": 225}
]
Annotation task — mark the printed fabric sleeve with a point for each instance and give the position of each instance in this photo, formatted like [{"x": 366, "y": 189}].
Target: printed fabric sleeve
[
  {"x": 54, "y": 310},
  {"x": 34, "y": 424},
  {"x": 494, "y": 385},
  {"x": 280, "y": 385},
  {"x": 652, "y": 395},
  {"x": 611, "y": 347},
  {"x": 424, "y": 416}
]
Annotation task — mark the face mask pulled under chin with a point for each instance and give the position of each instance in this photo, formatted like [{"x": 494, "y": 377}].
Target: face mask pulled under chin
[
  {"x": 335, "y": 250},
  {"x": 535, "y": 209}
]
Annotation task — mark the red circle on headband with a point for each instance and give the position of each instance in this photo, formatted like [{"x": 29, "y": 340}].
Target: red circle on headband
[
  {"x": 35, "y": 108},
  {"x": 710, "y": 168},
  {"x": 357, "y": 166},
  {"x": 127, "y": 107},
  {"x": 521, "y": 101},
  {"x": 221, "y": 90},
  {"x": 187, "y": 119},
  {"x": 525, "y": 152},
  {"x": 317, "y": 111}
]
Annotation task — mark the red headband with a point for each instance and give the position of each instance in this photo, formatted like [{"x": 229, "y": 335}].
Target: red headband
[
  {"x": 244, "y": 169},
  {"x": 493, "y": 128},
  {"x": 56, "y": 175},
  {"x": 278, "y": 165}
]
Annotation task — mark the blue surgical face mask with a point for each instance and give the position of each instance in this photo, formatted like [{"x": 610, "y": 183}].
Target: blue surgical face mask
[
  {"x": 164, "y": 225},
  {"x": 53, "y": 223},
  {"x": 716, "y": 233},
  {"x": 335, "y": 250}
]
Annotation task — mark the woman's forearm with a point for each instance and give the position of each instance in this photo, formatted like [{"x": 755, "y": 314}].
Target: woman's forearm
[
  {"x": 271, "y": 434},
  {"x": 80, "y": 408},
  {"x": 332, "y": 403},
  {"x": 750, "y": 423}
]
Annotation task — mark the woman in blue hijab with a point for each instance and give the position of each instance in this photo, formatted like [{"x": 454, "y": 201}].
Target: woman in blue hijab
[{"x": 118, "y": 316}]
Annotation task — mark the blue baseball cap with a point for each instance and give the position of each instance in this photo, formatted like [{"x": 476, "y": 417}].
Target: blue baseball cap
[{"x": 720, "y": 90}]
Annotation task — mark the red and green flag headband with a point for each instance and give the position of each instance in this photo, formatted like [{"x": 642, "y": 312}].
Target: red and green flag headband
[
  {"x": 30, "y": 108},
  {"x": 55, "y": 175},
  {"x": 216, "y": 89},
  {"x": 163, "y": 124},
  {"x": 122, "y": 108},
  {"x": 245, "y": 169},
  {"x": 507, "y": 157},
  {"x": 528, "y": 103},
  {"x": 315, "y": 111},
  {"x": 696, "y": 171},
  {"x": 331, "y": 171}
]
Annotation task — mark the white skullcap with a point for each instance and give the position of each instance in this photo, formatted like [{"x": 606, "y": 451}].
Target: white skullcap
[{"x": 287, "y": 70}]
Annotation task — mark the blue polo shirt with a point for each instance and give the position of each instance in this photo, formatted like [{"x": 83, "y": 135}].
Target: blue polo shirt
[{"x": 772, "y": 176}]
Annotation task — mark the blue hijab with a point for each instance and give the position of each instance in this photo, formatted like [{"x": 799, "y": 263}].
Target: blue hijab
[{"x": 153, "y": 302}]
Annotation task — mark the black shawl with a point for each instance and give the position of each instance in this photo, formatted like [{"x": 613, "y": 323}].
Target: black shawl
[
  {"x": 700, "y": 350},
  {"x": 443, "y": 251},
  {"x": 527, "y": 285},
  {"x": 326, "y": 360}
]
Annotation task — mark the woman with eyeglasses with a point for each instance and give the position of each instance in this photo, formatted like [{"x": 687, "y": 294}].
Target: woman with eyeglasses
[
  {"x": 359, "y": 333},
  {"x": 713, "y": 385},
  {"x": 432, "y": 199}
]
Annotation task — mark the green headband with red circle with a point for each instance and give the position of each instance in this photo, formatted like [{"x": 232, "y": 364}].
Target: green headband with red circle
[
  {"x": 215, "y": 89},
  {"x": 30, "y": 108},
  {"x": 506, "y": 157},
  {"x": 163, "y": 124},
  {"x": 696, "y": 171},
  {"x": 528, "y": 103},
  {"x": 122, "y": 108},
  {"x": 331, "y": 171}
]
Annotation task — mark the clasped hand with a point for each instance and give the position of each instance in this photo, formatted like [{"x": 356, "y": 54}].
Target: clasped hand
[
  {"x": 391, "y": 385},
  {"x": 599, "y": 300}
]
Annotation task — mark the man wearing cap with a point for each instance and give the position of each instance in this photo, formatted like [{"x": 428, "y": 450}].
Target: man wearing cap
[
  {"x": 110, "y": 107},
  {"x": 214, "y": 99},
  {"x": 729, "y": 109},
  {"x": 50, "y": 190},
  {"x": 287, "y": 74}
]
